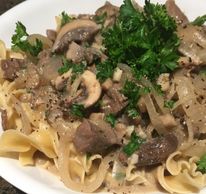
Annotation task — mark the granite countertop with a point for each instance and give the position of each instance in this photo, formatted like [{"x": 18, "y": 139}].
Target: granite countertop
[{"x": 5, "y": 187}]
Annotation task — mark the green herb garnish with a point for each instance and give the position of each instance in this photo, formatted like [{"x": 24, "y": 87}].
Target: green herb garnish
[
  {"x": 100, "y": 19},
  {"x": 88, "y": 156},
  {"x": 110, "y": 118},
  {"x": 65, "y": 18},
  {"x": 78, "y": 110},
  {"x": 132, "y": 112},
  {"x": 169, "y": 104},
  {"x": 199, "y": 21},
  {"x": 132, "y": 92},
  {"x": 201, "y": 164},
  {"x": 20, "y": 42},
  {"x": 105, "y": 70},
  {"x": 146, "y": 41},
  {"x": 134, "y": 144},
  {"x": 67, "y": 65}
]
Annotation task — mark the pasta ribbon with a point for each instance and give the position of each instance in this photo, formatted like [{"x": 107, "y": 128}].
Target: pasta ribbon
[
  {"x": 183, "y": 176},
  {"x": 15, "y": 141}
]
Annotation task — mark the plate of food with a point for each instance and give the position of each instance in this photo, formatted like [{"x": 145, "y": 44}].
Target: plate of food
[{"x": 103, "y": 97}]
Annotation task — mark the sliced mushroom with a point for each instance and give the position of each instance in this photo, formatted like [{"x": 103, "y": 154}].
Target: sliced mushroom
[
  {"x": 78, "y": 31},
  {"x": 157, "y": 150},
  {"x": 174, "y": 11},
  {"x": 60, "y": 80},
  {"x": 111, "y": 13},
  {"x": 47, "y": 43},
  {"x": 93, "y": 88}
]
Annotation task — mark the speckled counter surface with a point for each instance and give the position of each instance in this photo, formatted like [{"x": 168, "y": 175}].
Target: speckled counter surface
[{"x": 5, "y": 187}]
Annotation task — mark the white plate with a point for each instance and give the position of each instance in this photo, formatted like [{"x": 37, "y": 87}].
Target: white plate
[{"x": 37, "y": 16}]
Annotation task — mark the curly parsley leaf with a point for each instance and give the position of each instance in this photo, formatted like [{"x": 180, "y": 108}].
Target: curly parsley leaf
[
  {"x": 20, "y": 42},
  {"x": 146, "y": 41},
  {"x": 110, "y": 118},
  {"x": 132, "y": 92},
  {"x": 132, "y": 112},
  {"x": 65, "y": 18},
  {"x": 201, "y": 164},
  {"x": 133, "y": 145},
  {"x": 199, "y": 21},
  {"x": 78, "y": 110},
  {"x": 105, "y": 70},
  {"x": 169, "y": 104},
  {"x": 100, "y": 19},
  {"x": 67, "y": 65}
]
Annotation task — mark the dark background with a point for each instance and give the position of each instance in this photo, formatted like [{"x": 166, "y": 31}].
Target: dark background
[{"x": 5, "y": 187}]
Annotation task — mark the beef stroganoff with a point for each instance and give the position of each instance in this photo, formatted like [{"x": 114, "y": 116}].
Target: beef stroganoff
[{"x": 111, "y": 101}]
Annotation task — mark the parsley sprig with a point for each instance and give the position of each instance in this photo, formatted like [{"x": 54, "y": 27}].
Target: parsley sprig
[
  {"x": 169, "y": 104},
  {"x": 78, "y": 110},
  {"x": 199, "y": 21},
  {"x": 100, "y": 19},
  {"x": 110, "y": 118},
  {"x": 65, "y": 18},
  {"x": 20, "y": 42},
  {"x": 134, "y": 144},
  {"x": 133, "y": 92},
  {"x": 146, "y": 41},
  {"x": 201, "y": 164},
  {"x": 105, "y": 70},
  {"x": 67, "y": 65}
]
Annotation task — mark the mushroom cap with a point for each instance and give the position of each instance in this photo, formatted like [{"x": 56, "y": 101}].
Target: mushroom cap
[
  {"x": 93, "y": 88},
  {"x": 78, "y": 30}
]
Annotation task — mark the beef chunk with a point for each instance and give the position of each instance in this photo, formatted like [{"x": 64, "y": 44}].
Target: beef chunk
[
  {"x": 91, "y": 138},
  {"x": 113, "y": 101},
  {"x": 11, "y": 67}
]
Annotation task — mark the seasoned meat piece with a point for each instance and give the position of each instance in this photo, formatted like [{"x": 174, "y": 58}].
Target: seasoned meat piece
[
  {"x": 32, "y": 77},
  {"x": 113, "y": 101},
  {"x": 174, "y": 11},
  {"x": 48, "y": 66},
  {"x": 111, "y": 13},
  {"x": 44, "y": 56},
  {"x": 51, "y": 34},
  {"x": 4, "y": 119},
  {"x": 91, "y": 138},
  {"x": 75, "y": 53},
  {"x": 53, "y": 115},
  {"x": 11, "y": 67},
  {"x": 45, "y": 97},
  {"x": 157, "y": 150}
]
